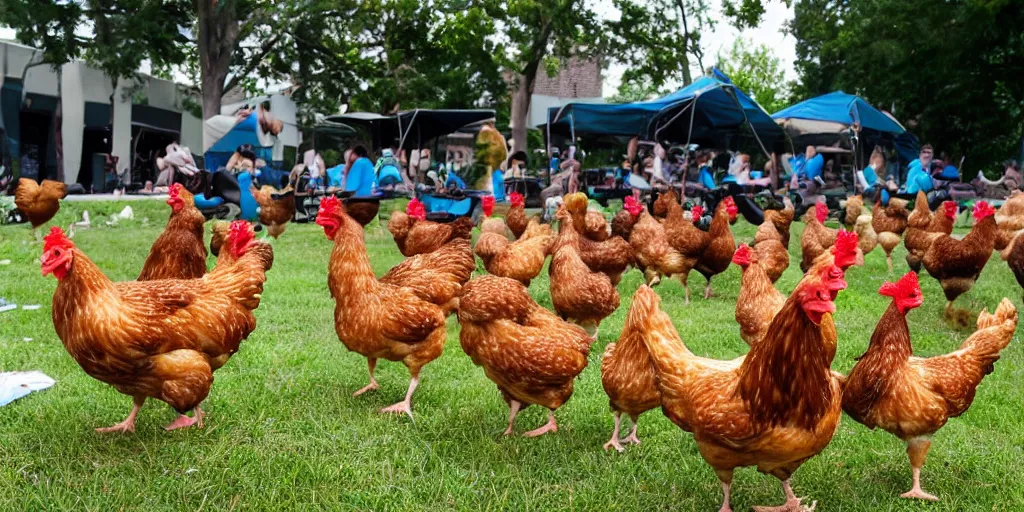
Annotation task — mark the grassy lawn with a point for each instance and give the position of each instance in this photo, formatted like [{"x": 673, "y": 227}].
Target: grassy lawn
[{"x": 284, "y": 433}]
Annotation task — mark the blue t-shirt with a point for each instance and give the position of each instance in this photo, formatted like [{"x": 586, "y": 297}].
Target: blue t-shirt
[
  {"x": 554, "y": 163},
  {"x": 812, "y": 169},
  {"x": 706, "y": 178},
  {"x": 870, "y": 176},
  {"x": 918, "y": 178},
  {"x": 361, "y": 177}
]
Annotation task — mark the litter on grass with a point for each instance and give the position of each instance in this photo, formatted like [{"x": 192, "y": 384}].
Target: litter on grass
[
  {"x": 14, "y": 385},
  {"x": 31, "y": 307}
]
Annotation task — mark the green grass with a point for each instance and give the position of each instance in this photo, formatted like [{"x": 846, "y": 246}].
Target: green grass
[{"x": 284, "y": 433}]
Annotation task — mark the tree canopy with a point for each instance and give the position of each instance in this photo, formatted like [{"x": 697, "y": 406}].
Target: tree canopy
[
  {"x": 758, "y": 72},
  {"x": 951, "y": 73}
]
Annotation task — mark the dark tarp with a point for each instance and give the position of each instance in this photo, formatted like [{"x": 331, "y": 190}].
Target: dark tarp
[
  {"x": 708, "y": 112},
  {"x": 158, "y": 118},
  {"x": 835, "y": 113},
  {"x": 97, "y": 115},
  {"x": 419, "y": 126}
]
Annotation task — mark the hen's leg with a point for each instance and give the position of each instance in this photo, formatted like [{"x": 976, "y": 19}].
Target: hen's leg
[
  {"x": 632, "y": 438},
  {"x": 725, "y": 477},
  {"x": 614, "y": 441},
  {"x": 792, "y": 502},
  {"x": 513, "y": 410},
  {"x": 128, "y": 425},
  {"x": 683, "y": 280},
  {"x": 888, "y": 260},
  {"x": 550, "y": 426},
  {"x": 405, "y": 406},
  {"x": 707, "y": 290},
  {"x": 372, "y": 363},
  {"x": 917, "y": 449}
]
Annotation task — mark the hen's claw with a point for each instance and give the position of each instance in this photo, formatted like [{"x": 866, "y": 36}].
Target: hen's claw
[
  {"x": 791, "y": 505},
  {"x": 399, "y": 408},
  {"x": 920, "y": 495},
  {"x": 631, "y": 439},
  {"x": 124, "y": 426},
  {"x": 369, "y": 387},
  {"x": 614, "y": 443}
]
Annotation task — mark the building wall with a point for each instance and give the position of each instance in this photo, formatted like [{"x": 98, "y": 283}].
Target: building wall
[{"x": 576, "y": 79}]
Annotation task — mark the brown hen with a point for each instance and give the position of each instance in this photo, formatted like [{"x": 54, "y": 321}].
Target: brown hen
[
  {"x": 179, "y": 252},
  {"x": 277, "y": 207},
  {"x": 415, "y": 235},
  {"x": 956, "y": 264},
  {"x": 39, "y": 202},
  {"x": 531, "y": 354},
  {"x": 889, "y": 223}
]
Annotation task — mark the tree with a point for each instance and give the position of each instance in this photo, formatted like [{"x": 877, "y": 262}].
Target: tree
[
  {"x": 656, "y": 39},
  {"x": 125, "y": 33},
  {"x": 950, "y": 74},
  {"x": 758, "y": 72},
  {"x": 541, "y": 33}
]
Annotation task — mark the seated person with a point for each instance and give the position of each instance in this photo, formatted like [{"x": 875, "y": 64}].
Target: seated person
[
  {"x": 705, "y": 177},
  {"x": 516, "y": 165},
  {"x": 807, "y": 173},
  {"x": 553, "y": 166},
  {"x": 359, "y": 174},
  {"x": 387, "y": 174},
  {"x": 266, "y": 126},
  {"x": 831, "y": 177},
  {"x": 246, "y": 162},
  {"x": 314, "y": 163},
  {"x": 919, "y": 172},
  {"x": 657, "y": 168},
  {"x": 868, "y": 183},
  {"x": 1004, "y": 186}
]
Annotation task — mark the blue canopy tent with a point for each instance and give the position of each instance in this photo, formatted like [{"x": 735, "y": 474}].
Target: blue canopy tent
[
  {"x": 832, "y": 116},
  {"x": 710, "y": 112},
  {"x": 244, "y": 132}
]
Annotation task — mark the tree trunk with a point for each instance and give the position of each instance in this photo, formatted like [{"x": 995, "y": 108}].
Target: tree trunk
[
  {"x": 219, "y": 28},
  {"x": 524, "y": 91},
  {"x": 687, "y": 77},
  {"x": 58, "y": 121}
]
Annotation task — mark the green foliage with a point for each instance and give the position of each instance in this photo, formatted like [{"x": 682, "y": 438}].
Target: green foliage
[
  {"x": 656, "y": 39},
  {"x": 951, "y": 74},
  {"x": 758, "y": 72},
  {"x": 125, "y": 32}
]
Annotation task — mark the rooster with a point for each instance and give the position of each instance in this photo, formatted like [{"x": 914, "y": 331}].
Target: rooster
[
  {"x": 516, "y": 219},
  {"x": 156, "y": 339},
  {"x": 774, "y": 408},
  {"x": 816, "y": 238},
  {"x": 922, "y": 229},
  {"x": 956, "y": 264},
  {"x": 416, "y": 235},
  {"x": 178, "y": 253},
  {"x": 759, "y": 301},
  {"x": 400, "y": 317},
  {"x": 277, "y": 207},
  {"x": 912, "y": 397},
  {"x": 889, "y": 223},
  {"x": 39, "y": 202},
  {"x": 531, "y": 354}
]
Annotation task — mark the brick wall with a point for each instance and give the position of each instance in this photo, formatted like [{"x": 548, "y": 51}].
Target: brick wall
[{"x": 577, "y": 79}]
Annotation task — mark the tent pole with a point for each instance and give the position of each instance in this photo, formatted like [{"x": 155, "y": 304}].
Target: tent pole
[
  {"x": 658, "y": 130},
  {"x": 747, "y": 120}
]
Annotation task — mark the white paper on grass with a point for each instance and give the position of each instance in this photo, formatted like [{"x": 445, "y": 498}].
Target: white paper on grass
[{"x": 14, "y": 385}]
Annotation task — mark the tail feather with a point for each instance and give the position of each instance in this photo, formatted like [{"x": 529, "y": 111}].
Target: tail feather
[
  {"x": 660, "y": 336},
  {"x": 994, "y": 332},
  {"x": 243, "y": 280}
]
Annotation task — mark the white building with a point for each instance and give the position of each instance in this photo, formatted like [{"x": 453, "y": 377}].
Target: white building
[{"x": 148, "y": 113}]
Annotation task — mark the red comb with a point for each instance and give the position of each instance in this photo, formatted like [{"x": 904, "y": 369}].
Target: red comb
[
  {"x": 631, "y": 205},
  {"x": 821, "y": 211},
  {"x": 56, "y": 238},
  {"x": 416, "y": 210},
  {"x": 329, "y": 205},
  {"x": 982, "y": 210},
  {"x": 951, "y": 209},
  {"x": 902, "y": 288},
  {"x": 240, "y": 234},
  {"x": 697, "y": 212},
  {"x": 742, "y": 256},
  {"x": 487, "y": 203},
  {"x": 515, "y": 199},
  {"x": 845, "y": 249},
  {"x": 174, "y": 190}
]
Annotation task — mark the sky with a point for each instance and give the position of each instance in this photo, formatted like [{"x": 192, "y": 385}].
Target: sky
[{"x": 720, "y": 39}]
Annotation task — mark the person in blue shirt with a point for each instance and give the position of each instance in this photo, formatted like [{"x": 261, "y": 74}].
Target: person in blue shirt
[
  {"x": 555, "y": 162},
  {"x": 919, "y": 172},
  {"x": 814, "y": 166},
  {"x": 359, "y": 176}
]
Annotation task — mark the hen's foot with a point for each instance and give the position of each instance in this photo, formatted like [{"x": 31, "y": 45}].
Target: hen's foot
[
  {"x": 404, "y": 406},
  {"x": 707, "y": 292},
  {"x": 631, "y": 439},
  {"x": 791, "y": 505},
  {"x": 550, "y": 426},
  {"x": 919, "y": 494},
  {"x": 614, "y": 443},
  {"x": 369, "y": 387},
  {"x": 888, "y": 259},
  {"x": 127, "y": 425},
  {"x": 182, "y": 422}
]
